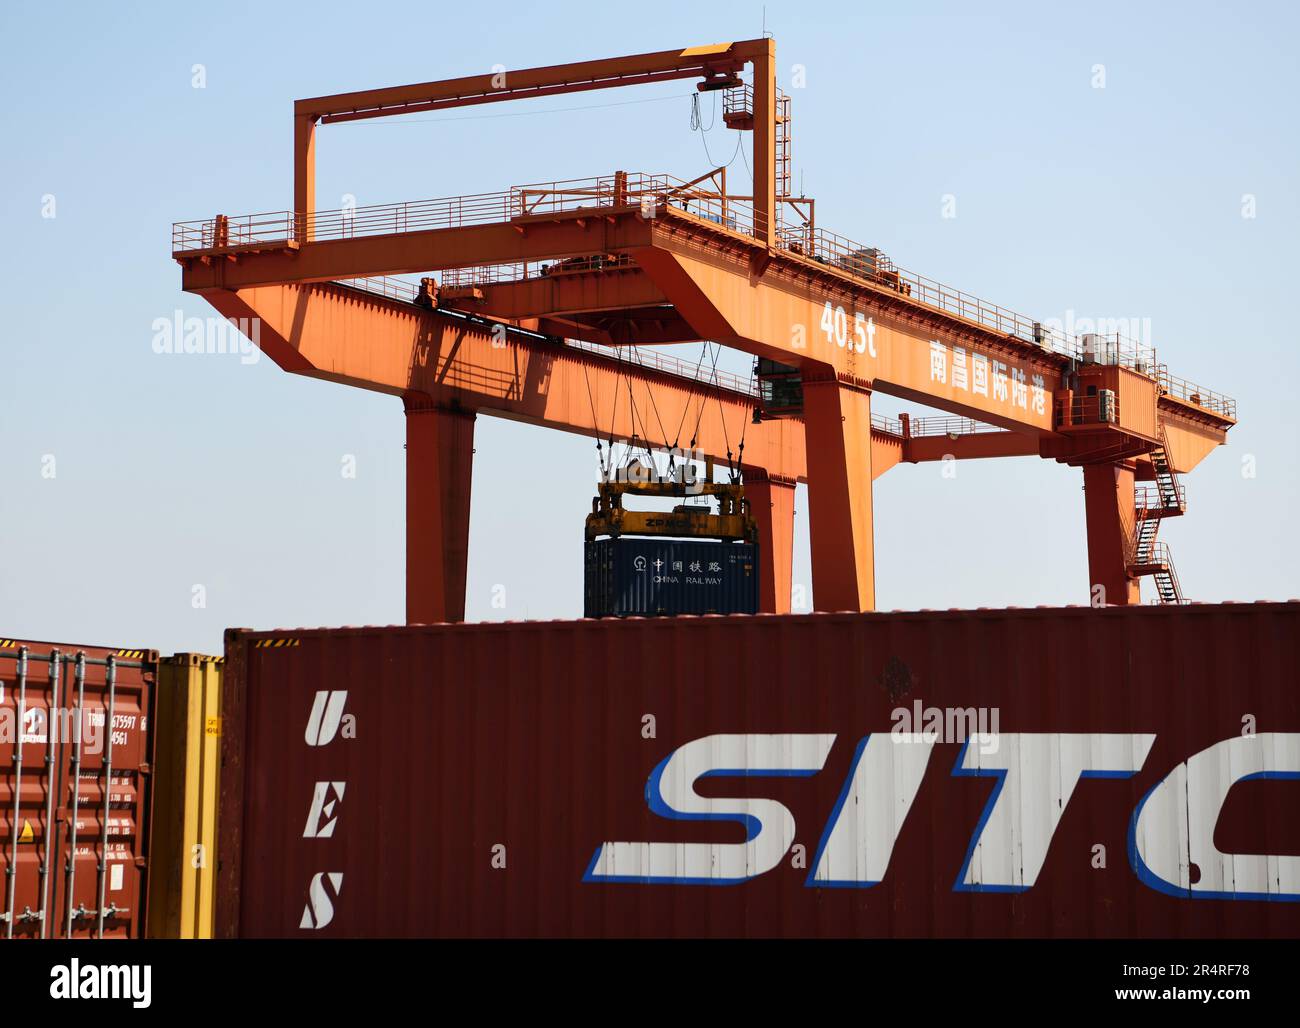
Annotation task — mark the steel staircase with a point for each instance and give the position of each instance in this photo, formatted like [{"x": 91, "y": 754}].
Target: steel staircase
[
  {"x": 1166, "y": 499},
  {"x": 1147, "y": 529},
  {"x": 1167, "y": 587}
]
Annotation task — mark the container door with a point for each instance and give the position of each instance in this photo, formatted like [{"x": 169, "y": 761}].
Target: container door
[
  {"x": 103, "y": 796},
  {"x": 27, "y": 804},
  {"x": 72, "y": 783}
]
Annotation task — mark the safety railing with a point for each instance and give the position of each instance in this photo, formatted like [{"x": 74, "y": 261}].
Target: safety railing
[
  {"x": 1181, "y": 389},
  {"x": 655, "y": 360},
  {"x": 1102, "y": 409},
  {"x": 486, "y": 275},
  {"x": 738, "y": 102},
  {"x": 516, "y": 271},
  {"x": 538, "y": 199},
  {"x": 382, "y": 285},
  {"x": 221, "y": 232},
  {"x": 1158, "y": 556},
  {"x": 1148, "y": 499},
  {"x": 661, "y": 194},
  {"x": 950, "y": 427}
]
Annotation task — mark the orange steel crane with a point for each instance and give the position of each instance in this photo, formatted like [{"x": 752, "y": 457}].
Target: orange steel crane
[{"x": 624, "y": 259}]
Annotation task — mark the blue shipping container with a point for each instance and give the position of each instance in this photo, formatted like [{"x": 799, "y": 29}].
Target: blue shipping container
[{"x": 643, "y": 577}]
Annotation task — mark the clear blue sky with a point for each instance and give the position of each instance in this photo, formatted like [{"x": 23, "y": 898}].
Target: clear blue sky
[{"x": 172, "y": 472}]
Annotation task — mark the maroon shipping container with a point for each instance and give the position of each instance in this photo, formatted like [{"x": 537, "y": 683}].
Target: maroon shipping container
[
  {"x": 76, "y": 747},
  {"x": 1048, "y": 772}
]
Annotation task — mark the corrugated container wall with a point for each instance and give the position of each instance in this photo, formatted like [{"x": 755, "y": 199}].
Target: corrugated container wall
[
  {"x": 1076, "y": 772},
  {"x": 76, "y": 748},
  {"x": 186, "y": 769}
]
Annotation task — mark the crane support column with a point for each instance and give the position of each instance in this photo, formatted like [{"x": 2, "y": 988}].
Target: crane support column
[
  {"x": 304, "y": 175},
  {"x": 837, "y": 420},
  {"x": 771, "y": 502},
  {"x": 1108, "y": 494},
  {"x": 439, "y": 467},
  {"x": 765, "y": 143}
]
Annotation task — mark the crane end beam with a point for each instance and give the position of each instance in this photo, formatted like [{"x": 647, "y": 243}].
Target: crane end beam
[{"x": 504, "y": 84}]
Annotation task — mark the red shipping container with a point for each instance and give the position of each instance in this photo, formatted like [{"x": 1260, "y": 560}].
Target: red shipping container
[
  {"x": 1117, "y": 772},
  {"x": 76, "y": 746}
]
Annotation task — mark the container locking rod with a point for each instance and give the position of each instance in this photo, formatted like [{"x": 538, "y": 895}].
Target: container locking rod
[
  {"x": 11, "y": 870},
  {"x": 51, "y": 787}
]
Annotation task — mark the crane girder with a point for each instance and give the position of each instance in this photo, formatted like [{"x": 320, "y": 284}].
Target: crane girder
[
  {"x": 711, "y": 293},
  {"x": 344, "y": 335}
]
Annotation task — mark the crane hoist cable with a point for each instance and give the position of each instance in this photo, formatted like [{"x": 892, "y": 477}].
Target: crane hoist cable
[
  {"x": 613, "y": 414},
  {"x": 699, "y": 416},
  {"x": 636, "y": 434},
  {"x": 734, "y": 467},
  {"x": 722, "y": 414},
  {"x": 696, "y": 126},
  {"x": 740, "y": 453},
  {"x": 645, "y": 431},
  {"x": 686, "y": 408},
  {"x": 595, "y": 423},
  {"x": 655, "y": 406}
]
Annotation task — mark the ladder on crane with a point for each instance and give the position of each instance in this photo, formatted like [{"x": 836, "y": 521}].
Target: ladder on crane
[{"x": 738, "y": 113}]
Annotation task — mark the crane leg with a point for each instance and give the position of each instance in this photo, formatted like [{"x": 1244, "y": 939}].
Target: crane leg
[
  {"x": 439, "y": 467},
  {"x": 771, "y": 501},
  {"x": 1108, "y": 494},
  {"x": 837, "y": 420}
]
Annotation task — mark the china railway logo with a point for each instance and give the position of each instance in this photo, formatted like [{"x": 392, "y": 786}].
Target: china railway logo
[{"x": 1034, "y": 776}]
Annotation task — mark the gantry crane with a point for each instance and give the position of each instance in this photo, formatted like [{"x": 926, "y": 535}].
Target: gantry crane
[{"x": 530, "y": 297}]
